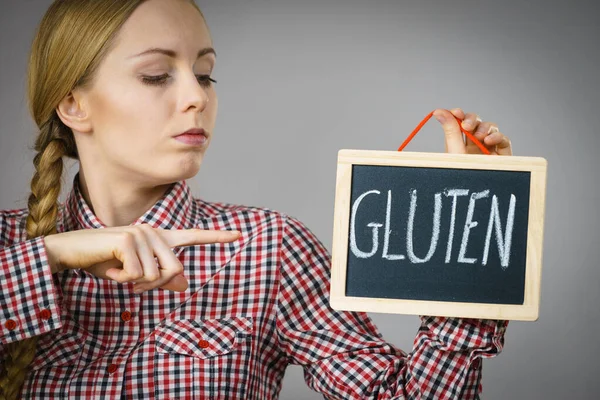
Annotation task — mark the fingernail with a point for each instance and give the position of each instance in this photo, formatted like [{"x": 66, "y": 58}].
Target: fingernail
[
  {"x": 440, "y": 118},
  {"x": 466, "y": 125},
  {"x": 138, "y": 290}
]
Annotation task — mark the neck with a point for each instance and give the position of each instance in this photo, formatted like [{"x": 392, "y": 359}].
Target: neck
[{"x": 118, "y": 203}]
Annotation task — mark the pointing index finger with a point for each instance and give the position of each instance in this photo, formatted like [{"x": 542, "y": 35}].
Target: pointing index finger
[{"x": 189, "y": 237}]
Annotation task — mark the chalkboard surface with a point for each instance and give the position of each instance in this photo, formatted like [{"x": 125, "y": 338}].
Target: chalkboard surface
[
  {"x": 469, "y": 247},
  {"x": 438, "y": 234}
]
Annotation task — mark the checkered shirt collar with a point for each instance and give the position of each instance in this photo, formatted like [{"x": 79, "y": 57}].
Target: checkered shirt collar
[{"x": 169, "y": 212}]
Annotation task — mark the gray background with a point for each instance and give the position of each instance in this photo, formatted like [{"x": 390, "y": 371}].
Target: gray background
[{"x": 299, "y": 80}]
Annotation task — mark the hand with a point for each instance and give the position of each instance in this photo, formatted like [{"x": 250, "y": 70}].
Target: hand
[
  {"x": 127, "y": 254},
  {"x": 486, "y": 132}
]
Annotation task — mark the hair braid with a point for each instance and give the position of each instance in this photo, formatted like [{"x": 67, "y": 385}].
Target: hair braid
[{"x": 41, "y": 221}]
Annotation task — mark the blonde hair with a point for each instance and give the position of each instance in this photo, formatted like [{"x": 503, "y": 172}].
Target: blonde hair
[{"x": 71, "y": 41}]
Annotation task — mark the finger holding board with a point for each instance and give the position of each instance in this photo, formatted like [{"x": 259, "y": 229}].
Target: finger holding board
[{"x": 438, "y": 234}]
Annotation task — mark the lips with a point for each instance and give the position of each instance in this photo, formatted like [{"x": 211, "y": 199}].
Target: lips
[
  {"x": 193, "y": 137},
  {"x": 193, "y": 131}
]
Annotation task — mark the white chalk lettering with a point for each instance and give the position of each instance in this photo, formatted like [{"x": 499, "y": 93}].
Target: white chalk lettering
[
  {"x": 504, "y": 242},
  {"x": 454, "y": 193},
  {"x": 414, "y": 228},
  {"x": 388, "y": 231},
  {"x": 358, "y": 253},
  {"x": 470, "y": 224},
  {"x": 435, "y": 229}
]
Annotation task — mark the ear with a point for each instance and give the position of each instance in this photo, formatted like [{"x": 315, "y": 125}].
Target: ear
[{"x": 73, "y": 113}]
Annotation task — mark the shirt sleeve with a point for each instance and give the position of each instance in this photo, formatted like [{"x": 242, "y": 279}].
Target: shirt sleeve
[
  {"x": 343, "y": 354},
  {"x": 28, "y": 294}
]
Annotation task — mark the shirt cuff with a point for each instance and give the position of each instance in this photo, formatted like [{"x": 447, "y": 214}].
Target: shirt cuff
[
  {"x": 28, "y": 295},
  {"x": 485, "y": 336}
]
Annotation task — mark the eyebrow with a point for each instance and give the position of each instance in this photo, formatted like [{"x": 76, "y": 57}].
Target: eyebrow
[{"x": 173, "y": 54}]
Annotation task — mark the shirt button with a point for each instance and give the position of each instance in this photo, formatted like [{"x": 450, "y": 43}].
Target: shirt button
[
  {"x": 111, "y": 368},
  {"x": 203, "y": 343},
  {"x": 45, "y": 314},
  {"x": 10, "y": 324},
  {"x": 125, "y": 315}
]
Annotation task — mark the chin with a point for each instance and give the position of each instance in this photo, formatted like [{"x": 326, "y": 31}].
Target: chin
[
  {"x": 174, "y": 169},
  {"x": 187, "y": 175},
  {"x": 188, "y": 167}
]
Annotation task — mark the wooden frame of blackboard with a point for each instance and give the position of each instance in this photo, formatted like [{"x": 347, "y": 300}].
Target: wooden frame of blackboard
[{"x": 528, "y": 311}]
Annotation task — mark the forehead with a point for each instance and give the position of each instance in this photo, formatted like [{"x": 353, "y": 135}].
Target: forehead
[{"x": 174, "y": 24}]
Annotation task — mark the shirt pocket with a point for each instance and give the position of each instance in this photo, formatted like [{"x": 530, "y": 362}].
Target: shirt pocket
[{"x": 203, "y": 358}]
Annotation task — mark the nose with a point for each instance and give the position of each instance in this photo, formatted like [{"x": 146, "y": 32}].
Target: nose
[{"x": 193, "y": 95}]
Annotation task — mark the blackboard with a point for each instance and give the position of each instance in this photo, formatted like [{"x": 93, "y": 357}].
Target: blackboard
[{"x": 425, "y": 232}]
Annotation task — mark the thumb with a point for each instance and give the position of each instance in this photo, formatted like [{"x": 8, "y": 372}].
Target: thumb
[
  {"x": 178, "y": 283},
  {"x": 454, "y": 137}
]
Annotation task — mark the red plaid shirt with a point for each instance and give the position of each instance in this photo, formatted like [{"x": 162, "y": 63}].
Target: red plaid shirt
[{"x": 253, "y": 307}]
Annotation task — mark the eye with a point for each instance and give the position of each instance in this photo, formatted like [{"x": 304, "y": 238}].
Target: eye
[
  {"x": 205, "y": 80},
  {"x": 161, "y": 80},
  {"x": 155, "y": 80}
]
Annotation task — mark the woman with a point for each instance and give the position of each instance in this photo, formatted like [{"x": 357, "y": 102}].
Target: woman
[{"x": 133, "y": 288}]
